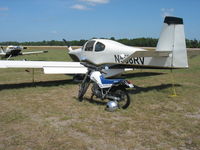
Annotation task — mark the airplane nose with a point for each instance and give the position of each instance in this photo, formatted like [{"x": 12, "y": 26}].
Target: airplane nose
[{"x": 70, "y": 51}]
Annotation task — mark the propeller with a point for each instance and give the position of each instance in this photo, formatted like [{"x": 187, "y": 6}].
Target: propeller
[{"x": 68, "y": 45}]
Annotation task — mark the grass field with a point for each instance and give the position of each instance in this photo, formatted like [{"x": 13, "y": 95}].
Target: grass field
[{"x": 46, "y": 115}]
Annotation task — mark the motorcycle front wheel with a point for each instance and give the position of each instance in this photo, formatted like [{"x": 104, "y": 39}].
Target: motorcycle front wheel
[
  {"x": 83, "y": 88},
  {"x": 124, "y": 98}
]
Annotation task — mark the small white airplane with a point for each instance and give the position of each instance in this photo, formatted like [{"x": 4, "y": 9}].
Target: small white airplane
[
  {"x": 12, "y": 51},
  {"x": 170, "y": 53}
]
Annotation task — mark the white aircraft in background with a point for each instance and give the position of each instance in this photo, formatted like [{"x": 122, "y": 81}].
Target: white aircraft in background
[
  {"x": 12, "y": 51},
  {"x": 170, "y": 53}
]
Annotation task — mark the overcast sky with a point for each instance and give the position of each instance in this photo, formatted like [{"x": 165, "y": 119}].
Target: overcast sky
[{"x": 36, "y": 20}]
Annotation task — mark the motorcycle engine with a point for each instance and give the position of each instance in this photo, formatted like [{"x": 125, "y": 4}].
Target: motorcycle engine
[{"x": 96, "y": 90}]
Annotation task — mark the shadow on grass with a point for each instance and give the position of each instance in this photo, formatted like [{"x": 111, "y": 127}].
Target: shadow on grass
[
  {"x": 138, "y": 90},
  {"x": 95, "y": 101},
  {"x": 36, "y": 84},
  {"x": 141, "y": 74}
]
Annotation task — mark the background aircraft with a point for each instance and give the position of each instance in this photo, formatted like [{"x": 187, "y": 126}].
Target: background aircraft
[
  {"x": 170, "y": 53},
  {"x": 12, "y": 51}
]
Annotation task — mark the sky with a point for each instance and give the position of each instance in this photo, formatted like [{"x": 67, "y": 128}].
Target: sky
[{"x": 37, "y": 20}]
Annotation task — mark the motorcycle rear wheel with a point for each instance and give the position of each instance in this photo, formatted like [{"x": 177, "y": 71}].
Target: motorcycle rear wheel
[{"x": 124, "y": 101}]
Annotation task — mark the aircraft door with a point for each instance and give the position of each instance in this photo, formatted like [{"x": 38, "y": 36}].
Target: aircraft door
[
  {"x": 100, "y": 53},
  {"x": 88, "y": 50},
  {"x": 94, "y": 51}
]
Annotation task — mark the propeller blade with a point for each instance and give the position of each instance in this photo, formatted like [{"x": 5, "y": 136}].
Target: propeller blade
[{"x": 68, "y": 45}]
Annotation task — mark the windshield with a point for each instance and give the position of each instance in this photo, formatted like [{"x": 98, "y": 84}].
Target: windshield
[{"x": 89, "y": 46}]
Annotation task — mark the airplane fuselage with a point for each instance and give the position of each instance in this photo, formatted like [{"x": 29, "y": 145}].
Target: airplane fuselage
[
  {"x": 13, "y": 51},
  {"x": 101, "y": 51}
]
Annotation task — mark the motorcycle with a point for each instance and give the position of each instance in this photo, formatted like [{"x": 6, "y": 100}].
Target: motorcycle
[{"x": 112, "y": 89}]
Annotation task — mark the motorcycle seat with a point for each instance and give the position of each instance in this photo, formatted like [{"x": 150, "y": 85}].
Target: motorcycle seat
[{"x": 109, "y": 81}]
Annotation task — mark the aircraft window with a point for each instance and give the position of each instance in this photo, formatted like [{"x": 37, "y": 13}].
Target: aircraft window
[
  {"x": 99, "y": 47},
  {"x": 89, "y": 46}
]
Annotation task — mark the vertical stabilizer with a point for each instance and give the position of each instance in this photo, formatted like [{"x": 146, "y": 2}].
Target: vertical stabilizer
[{"x": 172, "y": 38}]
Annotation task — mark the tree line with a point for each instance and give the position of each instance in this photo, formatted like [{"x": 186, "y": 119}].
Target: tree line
[{"x": 140, "y": 42}]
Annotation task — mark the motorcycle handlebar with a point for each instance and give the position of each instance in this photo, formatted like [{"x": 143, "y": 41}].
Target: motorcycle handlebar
[
  {"x": 93, "y": 67},
  {"x": 90, "y": 66}
]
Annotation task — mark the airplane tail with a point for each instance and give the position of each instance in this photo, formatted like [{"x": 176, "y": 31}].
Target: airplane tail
[
  {"x": 172, "y": 38},
  {"x": 2, "y": 50}
]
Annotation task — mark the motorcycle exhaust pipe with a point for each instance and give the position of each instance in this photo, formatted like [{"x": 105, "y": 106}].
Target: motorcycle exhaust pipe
[{"x": 112, "y": 98}]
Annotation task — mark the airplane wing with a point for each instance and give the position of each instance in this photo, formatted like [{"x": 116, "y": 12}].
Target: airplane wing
[
  {"x": 33, "y": 52},
  {"x": 49, "y": 67}
]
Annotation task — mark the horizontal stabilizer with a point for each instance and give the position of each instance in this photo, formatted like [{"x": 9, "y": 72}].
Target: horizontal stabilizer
[
  {"x": 148, "y": 54},
  {"x": 138, "y": 66}
]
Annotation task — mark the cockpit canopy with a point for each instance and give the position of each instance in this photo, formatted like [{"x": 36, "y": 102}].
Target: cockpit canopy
[{"x": 93, "y": 45}]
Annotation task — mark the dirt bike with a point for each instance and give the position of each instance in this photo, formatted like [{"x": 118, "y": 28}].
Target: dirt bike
[{"x": 102, "y": 88}]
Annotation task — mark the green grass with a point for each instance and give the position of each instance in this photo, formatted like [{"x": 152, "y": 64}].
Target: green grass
[{"x": 46, "y": 114}]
